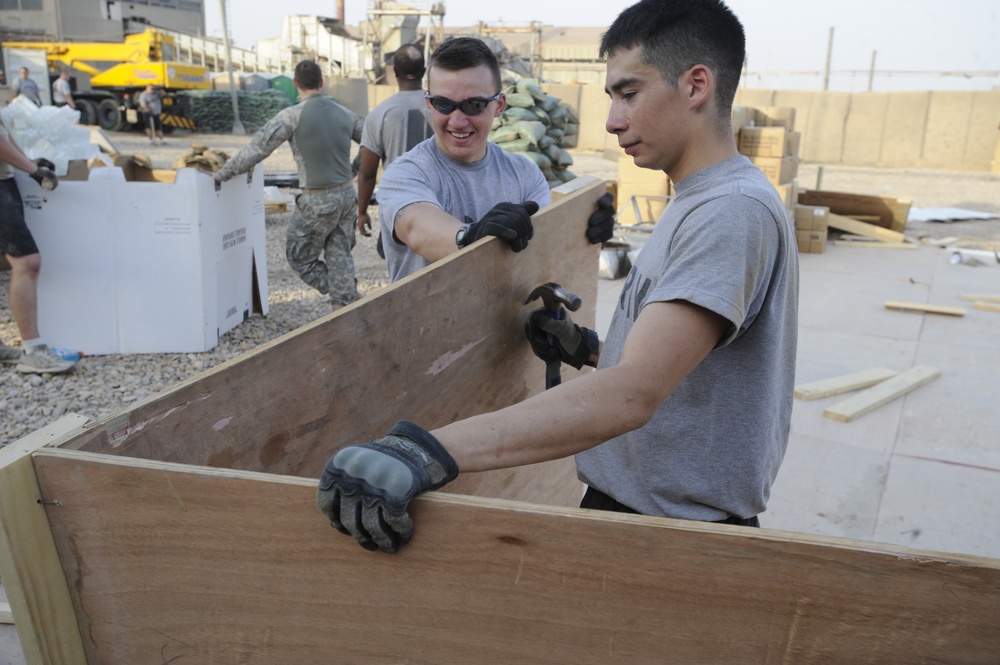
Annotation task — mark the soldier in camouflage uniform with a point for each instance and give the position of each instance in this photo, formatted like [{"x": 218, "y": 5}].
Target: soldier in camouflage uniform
[{"x": 319, "y": 131}]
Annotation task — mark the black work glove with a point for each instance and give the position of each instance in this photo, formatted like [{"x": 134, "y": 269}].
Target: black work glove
[
  {"x": 41, "y": 161},
  {"x": 45, "y": 177},
  {"x": 601, "y": 223},
  {"x": 510, "y": 221},
  {"x": 366, "y": 488},
  {"x": 573, "y": 344}
]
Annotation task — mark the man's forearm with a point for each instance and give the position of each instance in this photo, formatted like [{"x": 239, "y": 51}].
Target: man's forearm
[{"x": 427, "y": 230}]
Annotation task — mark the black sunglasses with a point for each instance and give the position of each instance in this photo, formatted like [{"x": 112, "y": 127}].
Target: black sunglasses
[{"x": 470, "y": 106}]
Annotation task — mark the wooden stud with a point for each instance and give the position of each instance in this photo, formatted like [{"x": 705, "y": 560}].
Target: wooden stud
[
  {"x": 926, "y": 309},
  {"x": 876, "y": 245},
  {"x": 987, "y": 306},
  {"x": 29, "y": 564},
  {"x": 842, "y": 223},
  {"x": 5, "y": 614},
  {"x": 973, "y": 297},
  {"x": 843, "y": 384},
  {"x": 882, "y": 393}
]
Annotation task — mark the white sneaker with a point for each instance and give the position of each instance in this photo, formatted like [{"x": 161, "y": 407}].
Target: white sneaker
[
  {"x": 9, "y": 355},
  {"x": 42, "y": 361}
]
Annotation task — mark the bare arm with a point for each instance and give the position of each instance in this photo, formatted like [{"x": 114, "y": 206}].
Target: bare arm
[
  {"x": 427, "y": 230},
  {"x": 367, "y": 173},
  {"x": 667, "y": 342},
  {"x": 12, "y": 154}
]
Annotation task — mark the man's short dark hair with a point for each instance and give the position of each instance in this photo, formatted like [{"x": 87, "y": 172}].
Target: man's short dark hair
[
  {"x": 460, "y": 53},
  {"x": 676, "y": 35},
  {"x": 308, "y": 75},
  {"x": 408, "y": 62}
]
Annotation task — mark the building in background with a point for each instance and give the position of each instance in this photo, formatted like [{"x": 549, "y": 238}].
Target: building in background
[{"x": 94, "y": 20}]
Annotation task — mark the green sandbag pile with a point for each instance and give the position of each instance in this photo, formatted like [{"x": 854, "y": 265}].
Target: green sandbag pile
[
  {"x": 213, "y": 109},
  {"x": 538, "y": 126}
]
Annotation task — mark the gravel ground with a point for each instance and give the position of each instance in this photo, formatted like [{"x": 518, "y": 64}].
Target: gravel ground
[{"x": 103, "y": 385}]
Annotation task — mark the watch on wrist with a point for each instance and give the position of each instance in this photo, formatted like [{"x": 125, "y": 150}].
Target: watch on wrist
[{"x": 460, "y": 236}]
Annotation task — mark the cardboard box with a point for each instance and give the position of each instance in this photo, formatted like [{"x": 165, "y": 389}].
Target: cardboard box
[
  {"x": 792, "y": 145},
  {"x": 777, "y": 169},
  {"x": 777, "y": 116},
  {"x": 164, "y": 265},
  {"x": 742, "y": 116},
  {"x": 789, "y": 193},
  {"x": 763, "y": 141},
  {"x": 812, "y": 218},
  {"x": 650, "y": 188},
  {"x": 811, "y": 242}
]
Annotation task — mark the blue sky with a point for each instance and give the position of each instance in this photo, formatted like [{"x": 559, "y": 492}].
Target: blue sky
[{"x": 782, "y": 35}]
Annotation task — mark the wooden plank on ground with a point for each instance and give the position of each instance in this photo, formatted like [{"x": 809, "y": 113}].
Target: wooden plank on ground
[
  {"x": 32, "y": 575},
  {"x": 884, "y": 211},
  {"x": 844, "y": 383},
  {"x": 864, "y": 229},
  {"x": 979, "y": 297},
  {"x": 229, "y": 567},
  {"x": 987, "y": 306},
  {"x": 882, "y": 393},
  {"x": 875, "y": 245},
  {"x": 925, "y": 308},
  {"x": 5, "y": 614},
  {"x": 442, "y": 344}
]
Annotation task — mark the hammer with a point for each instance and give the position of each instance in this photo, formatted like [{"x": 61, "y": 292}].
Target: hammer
[{"x": 554, "y": 297}]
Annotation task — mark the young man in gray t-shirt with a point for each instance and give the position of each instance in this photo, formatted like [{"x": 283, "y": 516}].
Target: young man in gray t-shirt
[{"x": 688, "y": 413}]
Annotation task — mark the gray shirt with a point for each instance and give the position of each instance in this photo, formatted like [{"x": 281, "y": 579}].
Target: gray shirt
[
  {"x": 396, "y": 125},
  {"x": 713, "y": 448},
  {"x": 60, "y": 90},
  {"x": 152, "y": 102},
  {"x": 27, "y": 88},
  {"x": 463, "y": 190}
]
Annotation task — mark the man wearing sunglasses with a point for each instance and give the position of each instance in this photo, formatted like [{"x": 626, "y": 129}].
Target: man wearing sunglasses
[
  {"x": 458, "y": 187},
  {"x": 319, "y": 132},
  {"x": 688, "y": 412}
]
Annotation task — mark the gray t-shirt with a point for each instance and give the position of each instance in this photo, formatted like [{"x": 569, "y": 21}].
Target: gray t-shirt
[
  {"x": 152, "y": 102},
  {"x": 396, "y": 125},
  {"x": 425, "y": 174},
  {"x": 60, "y": 89},
  {"x": 713, "y": 448},
  {"x": 28, "y": 88}
]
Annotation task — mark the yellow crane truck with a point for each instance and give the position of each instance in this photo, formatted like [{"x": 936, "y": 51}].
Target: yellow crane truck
[{"x": 109, "y": 76}]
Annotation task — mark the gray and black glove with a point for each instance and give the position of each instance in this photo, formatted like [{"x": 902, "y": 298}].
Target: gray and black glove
[
  {"x": 366, "y": 488},
  {"x": 574, "y": 344},
  {"x": 45, "y": 175},
  {"x": 510, "y": 221},
  {"x": 601, "y": 223}
]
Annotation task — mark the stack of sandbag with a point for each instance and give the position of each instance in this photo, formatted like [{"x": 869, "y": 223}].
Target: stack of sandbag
[
  {"x": 538, "y": 126},
  {"x": 201, "y": 157},
  {"x": 212, "y": 110}
]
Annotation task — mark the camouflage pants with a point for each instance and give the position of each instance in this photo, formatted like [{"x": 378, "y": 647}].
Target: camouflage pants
[{"x": 324, "y": 224}]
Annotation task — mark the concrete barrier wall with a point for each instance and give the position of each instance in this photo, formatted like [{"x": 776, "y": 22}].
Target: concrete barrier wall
[{"x": 942, "y": 130}]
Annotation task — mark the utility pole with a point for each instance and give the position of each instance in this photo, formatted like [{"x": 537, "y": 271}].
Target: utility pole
[
  {"x": 829, "y": 57},
  {"x": 871, "y": 72},
  {"x": 237, "y": 125}
]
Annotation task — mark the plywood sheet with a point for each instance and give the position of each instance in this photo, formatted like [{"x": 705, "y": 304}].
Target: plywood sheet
[
  {"x": 171, "y": 563},
  {"x": 443, "y": 344}
]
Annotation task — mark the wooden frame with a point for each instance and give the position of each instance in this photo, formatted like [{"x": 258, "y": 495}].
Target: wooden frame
[{"x": 185, "y": 530}]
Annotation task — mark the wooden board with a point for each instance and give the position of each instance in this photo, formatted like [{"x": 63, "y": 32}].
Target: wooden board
[
  {"x": 171, "y": 563},
  {"x": 883, "y": 211},
  {"x": 864, "y": 229},
  {"x": 987, "y": 306},
  {"x": 29, "y": 564},
  {"x": 844, "y": 383},
  {"x": 924, "y": 308},
  {"x": 984, "y": 297},
  {"x": 883, "y": 393},
  {"x": 442, "y": 344},
  {"x": 875, "y": 245}
]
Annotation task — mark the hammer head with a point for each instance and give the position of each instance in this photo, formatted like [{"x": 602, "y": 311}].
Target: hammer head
[{"x": 553, "y": 296}]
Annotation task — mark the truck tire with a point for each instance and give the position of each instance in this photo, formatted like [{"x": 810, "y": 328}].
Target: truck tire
[
  {"x": 88, "y": 111},
  {"x": 110, "y": 116}
]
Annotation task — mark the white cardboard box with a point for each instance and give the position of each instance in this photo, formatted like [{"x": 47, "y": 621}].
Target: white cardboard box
[{"x": 150, "y": 266}]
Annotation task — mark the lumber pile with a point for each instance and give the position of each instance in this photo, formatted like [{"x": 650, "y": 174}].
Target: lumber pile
[{"x": 877, "y": 387}]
